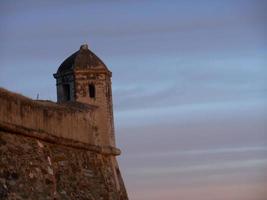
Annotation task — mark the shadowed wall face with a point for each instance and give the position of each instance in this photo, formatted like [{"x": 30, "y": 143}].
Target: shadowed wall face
[{"x": 33, "y": 169}]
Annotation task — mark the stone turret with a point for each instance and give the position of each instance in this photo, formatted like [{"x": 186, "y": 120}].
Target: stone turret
[
  {"x": 63, "y": 150},
  {"x": 84, "y": 78}
]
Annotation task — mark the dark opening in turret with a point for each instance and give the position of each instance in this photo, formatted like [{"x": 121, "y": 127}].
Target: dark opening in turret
[
  {"x": 66, "y": 92},
  {"x": 92, "y": 90}
]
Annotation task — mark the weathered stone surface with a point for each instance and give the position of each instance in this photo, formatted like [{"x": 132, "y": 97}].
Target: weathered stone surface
[
  {"x": 63, "y": 150},
  {"x": 74, "y": 78},
  {"x": 69, "y": 121},
  {"x": 35, "y": 169}
]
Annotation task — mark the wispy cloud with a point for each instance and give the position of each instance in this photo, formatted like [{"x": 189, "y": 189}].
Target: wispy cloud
[
  {"x": 203, "y": 152},
  {"x": 201, "y": 167}
]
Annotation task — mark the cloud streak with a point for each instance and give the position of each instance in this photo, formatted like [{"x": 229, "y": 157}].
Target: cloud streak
[
  {"x": 227, "y": 165},
  {"x": 204, "y": 152}
]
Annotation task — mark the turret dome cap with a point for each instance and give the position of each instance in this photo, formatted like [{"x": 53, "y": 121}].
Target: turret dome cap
[{"x": 82, "y": 59}]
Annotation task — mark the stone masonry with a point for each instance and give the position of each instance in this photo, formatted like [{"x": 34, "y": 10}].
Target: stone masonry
[{"x": 63, "y": 150}]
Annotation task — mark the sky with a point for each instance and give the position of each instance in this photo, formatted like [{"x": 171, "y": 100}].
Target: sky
[{"x": 189, "y": 85}]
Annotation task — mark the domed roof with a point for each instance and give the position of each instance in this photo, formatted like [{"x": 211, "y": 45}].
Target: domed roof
[{"x": 81, "y": 59}]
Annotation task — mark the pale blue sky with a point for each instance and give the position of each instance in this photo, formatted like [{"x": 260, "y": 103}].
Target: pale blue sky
[{"x": 189, "y": 85}]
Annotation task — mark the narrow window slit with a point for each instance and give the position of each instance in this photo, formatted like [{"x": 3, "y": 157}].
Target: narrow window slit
[
  {"x": 92, "y": 90},
  {"x": 66, "y": 92}
]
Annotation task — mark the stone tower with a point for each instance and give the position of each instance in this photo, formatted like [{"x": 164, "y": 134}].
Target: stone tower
[
  {"x": 84, "y": 78},
  {"x": 63, "y": 150}
]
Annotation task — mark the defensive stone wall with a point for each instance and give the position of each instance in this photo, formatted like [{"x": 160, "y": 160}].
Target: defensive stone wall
[
  {"x": 49, "y": 151},
  {"x": 74, "y": 121},
  {"x": 45, "y": 119}
]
